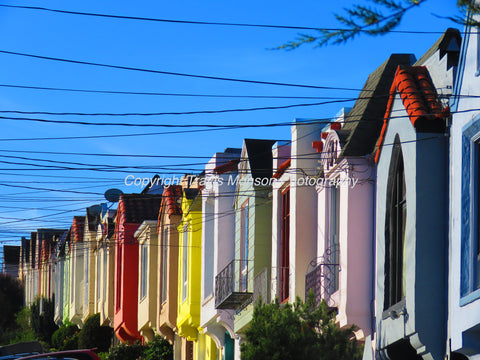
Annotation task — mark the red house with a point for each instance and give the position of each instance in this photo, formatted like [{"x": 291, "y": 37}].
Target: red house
[{"x": 132, "y": 210}]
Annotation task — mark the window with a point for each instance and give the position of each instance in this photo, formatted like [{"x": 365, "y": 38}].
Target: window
[
  {"x": 105, "y": 272},
  {"x": 86, "y": 274},
  {"x": 333, "y": 246},
  {"x": 285, "y": 246},
  {"x": 118, "y": 287},
  {"x": 185, "y": 262},
  {"x": 244, "y": 224},
  {"x": 164, "y": 264},
  {"x": 470, "y": 216},
  {"x": 395, "y": 230},
  {"x": 144, "y": 270},
  {"x": 99, "y": 278}
]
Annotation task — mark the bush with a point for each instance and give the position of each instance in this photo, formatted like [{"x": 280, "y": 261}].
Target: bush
[
  {"x": 126, "y": 352},
  {"x": 66, "y": 337},
  {"x": 41, "y": 319},
  {"x": 11, "y": 302},
  {"x": 158, "y": 349},
  {"x": 298, "y": 332},
  {"x": 93, "y": 335}
]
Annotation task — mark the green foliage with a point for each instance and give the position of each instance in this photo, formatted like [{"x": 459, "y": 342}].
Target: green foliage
[
  {"x": 359, "y": 19},
  {"x": 378, "y": 20},
  {"x": 66, "y": 337},
  {"x": 41, "y": 319},
  {"x": 298, "y": 332},
  {"x": 93, "y": 335},
  {"x": 158, "y": 349},
  {"x": 11, "y": 302},
  {"x": 21, "y": 331},
  {"x": 126, "y": 352}
]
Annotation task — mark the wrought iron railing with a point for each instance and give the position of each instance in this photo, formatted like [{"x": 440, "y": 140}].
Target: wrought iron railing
[
  {"x": 231, "y": 285},
  {"x": 323, "y": 275}
]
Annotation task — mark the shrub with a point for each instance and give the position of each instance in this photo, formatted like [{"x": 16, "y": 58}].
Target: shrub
[
  {"x": 126, "y": 352},
  {"x": 41, "y": 319},
  {"x": 66, "y": 337},
  {"x": 158, "y": 349},
  {"x": 93, "y": 335},
  {"x": 298, "y": 331}
]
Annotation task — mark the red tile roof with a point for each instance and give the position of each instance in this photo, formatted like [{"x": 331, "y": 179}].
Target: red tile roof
[
  {"x": 281, "y": 169},
  {"x": 172, "y": 200},
  {"x": 231, "y": 165},
  {"x": 419, "y": 98},
  {"x": 139, "y": 207},
  {"x": 78, "y": 227}
]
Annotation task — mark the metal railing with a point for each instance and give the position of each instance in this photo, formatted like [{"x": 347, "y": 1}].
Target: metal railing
[
  {"x": 323, "y": 275},
  {"x": 231, "y": 285}
]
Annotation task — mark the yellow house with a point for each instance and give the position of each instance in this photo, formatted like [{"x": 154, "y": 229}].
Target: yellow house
[{"x": 195, "y": 345}]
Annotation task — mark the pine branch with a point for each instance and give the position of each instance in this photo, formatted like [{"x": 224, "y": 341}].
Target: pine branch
[{"x": 362, "y": 19}]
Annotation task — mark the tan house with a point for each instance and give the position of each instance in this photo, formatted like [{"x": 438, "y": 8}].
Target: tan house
[
  {"x": 169, "y": 218},
  {"x": 147, "y": 239},
  {"x": 105, "y": 267}
]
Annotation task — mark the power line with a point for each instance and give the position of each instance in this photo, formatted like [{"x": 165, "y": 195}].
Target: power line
[
  {"x": 198, "y": 76},
  {"x": 164, "y": 94},
  {"x": 125, "y": 17}
]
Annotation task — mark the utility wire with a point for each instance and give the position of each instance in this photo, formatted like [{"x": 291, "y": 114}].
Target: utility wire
[
  {"x": 125, "y": 17},
  {"x": 165, "y": 94},
  {"x": 152, "y": 71}
]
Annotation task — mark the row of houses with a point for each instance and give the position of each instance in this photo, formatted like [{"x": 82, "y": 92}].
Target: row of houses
[{"x": 375, "y": 212}]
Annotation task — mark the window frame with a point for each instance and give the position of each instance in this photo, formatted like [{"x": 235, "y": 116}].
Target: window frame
[
  {"x": 163, "y": 295},
  {"x": 470, "y": 213},
  {"x": 284, "y": 284},
  {"x": 244, "y": 245},
  {"x": 185, "y": 262},
  {"x": 333, "y": 239},
  {"x": 395, "y": 232}
]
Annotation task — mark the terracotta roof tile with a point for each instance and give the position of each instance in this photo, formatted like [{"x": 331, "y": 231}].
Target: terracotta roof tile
[
  {"x": 419, "y": 98},
  {"x": 139, "y": 207},
  {"x": 231, "y": 165},
  {"x": 282, "y": 168},
  {"x": 78, "y": 227},
  {"x": 172, "y": 200}
]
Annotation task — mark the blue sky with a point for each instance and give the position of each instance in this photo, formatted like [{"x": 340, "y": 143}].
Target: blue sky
[{"x": 232, "y": 52}]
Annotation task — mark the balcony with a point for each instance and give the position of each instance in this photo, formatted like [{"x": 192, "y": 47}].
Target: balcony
[
  {"x": 323, "y": 276},
  {"x": 231, "y": 286}
]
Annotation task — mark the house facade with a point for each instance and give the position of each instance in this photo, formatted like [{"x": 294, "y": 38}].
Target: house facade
[
  {"x": 169, "y": 218},
  {"x": 218, "y": 246},
  {"x": 463, "y": 278},
  {"x": 412, "y": 169}
]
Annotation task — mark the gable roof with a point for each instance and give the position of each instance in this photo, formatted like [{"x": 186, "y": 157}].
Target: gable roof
[
  {"x": 139, "y": 207},
  {"x": 11, "y": 254},
  {"x": 445, "y": 45},
  {"x": 364, "y": 122},
  {"x": 419, "y": 97},
  {"x": 93, "y": 217},
  {"x": 260, "y": 157}
]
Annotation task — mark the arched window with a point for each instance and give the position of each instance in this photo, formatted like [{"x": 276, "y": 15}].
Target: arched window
[{"x": 396, "y": 216}]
